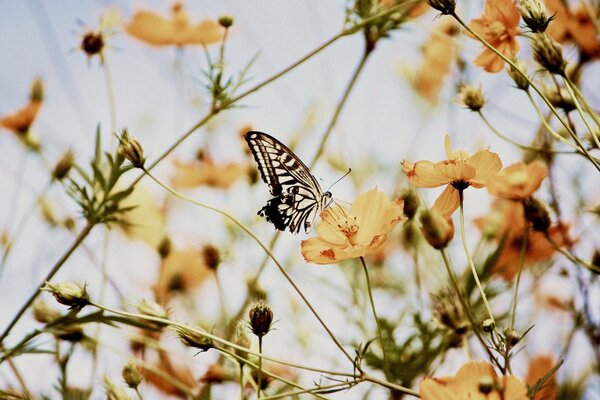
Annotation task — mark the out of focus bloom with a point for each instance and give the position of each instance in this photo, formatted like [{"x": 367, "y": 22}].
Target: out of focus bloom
[
  {"x": 518, "y": 181},
  {"x": 548, "y": 53},
  {"x": 156, "y": 30},
  {"x": 507, "y": 220},
  {"x": 438, "y": 57},
  {"x": 474, "y": 381},
  {"x": 459, "y": 172},
  {"x": 499, "y": 26},
  {"x": 206, "y": 172},
  {"x": 352, "y": 233},
  {"x": 539, "y": 366},
  {"x": 471, "y": 96},
  {"x": 573, "y": 26},
  {"x": 180, "y": 271},
  {"x": 21, "y": 120},
  {"x": 146, "y": 221}
]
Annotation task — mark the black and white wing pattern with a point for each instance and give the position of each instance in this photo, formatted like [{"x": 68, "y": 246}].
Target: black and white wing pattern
[{"x": 298, "y": 197}]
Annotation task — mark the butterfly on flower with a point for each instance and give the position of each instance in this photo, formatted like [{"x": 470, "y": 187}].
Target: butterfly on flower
[{"x": 298, "y": 197}]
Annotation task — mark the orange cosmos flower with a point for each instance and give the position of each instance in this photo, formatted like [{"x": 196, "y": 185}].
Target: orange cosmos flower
[
  {"x": 181, "y": 270},
  {"x": 157, "y": 30},
  {"x": 518, "y": 181},
  {"x": 573, "y": 26},
  {"x": 349, "y": 233},
  {"x": 474, "y": 381},
  {"x": 539, "y": 366},
  {"x": 146, "y": 220},
  {"x": 459, "y": 171},
  {"x": 507, "y": 219},
  {"x": 499, "y": 26},
  {"x": 206, "y": 172},
  {"x": 19, "y": 121}
]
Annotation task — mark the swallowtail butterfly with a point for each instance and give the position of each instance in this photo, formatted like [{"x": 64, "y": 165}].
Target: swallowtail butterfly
[{"x": 298, "y": 197}]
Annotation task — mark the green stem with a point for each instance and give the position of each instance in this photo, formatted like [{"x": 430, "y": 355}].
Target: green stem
[
  {"x": 242, "y": 397},
  {"x": 340, "y": 105},
  {"x": 139, "y": 395},
  {"x": 572, "y": 257},
  {"x": 80, "y": 238},
  {"x": 469, "y": 259},
  {"x": 386, "y": 365},
  {"x": 111, "y": 96},
  {"x": 315, "y": 390},
  {"x": 513, "y": 307},
  {"x": 580, "y": 111},
  {"x": 546, "y": 125},
  {"x": 259, "y": 370},
  {"x": 391, "y": 385},
  {"x": 265, "y": 249}
]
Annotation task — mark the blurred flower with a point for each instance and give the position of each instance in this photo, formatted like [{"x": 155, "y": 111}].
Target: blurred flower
[
  {"x": 154, "y": 29},
  {"x": 499, "y": 26},
  {"x": 471, "y": 96},
  {"x": 21, "y": 120},
  {"x": 554, "y": 293},
  {"x": 146, "y": 221},
  {"x": 573, "y": 26},
  {"x": 438, "y": 57},
  {"x": 43, "y": 312},
  {"x": 539, "y": 366},
  {"x": 507, "y": 220},
  {"x": 174, "y": 372},
  {"x": 352, "y": 233},
  {"x": 548, "y": 53},
  {"x": 459, "y": 172},
  {"x": 215, "y": 373},
  {"x": 518, "y": 181},
  {"x": 206, "y": 172},
  {"x": 180, "y": 271},
  {"x": 474, "y": 381}
]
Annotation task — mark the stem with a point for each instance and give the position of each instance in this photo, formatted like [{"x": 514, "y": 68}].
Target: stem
[
  {"x": 259, "y": 370},
  {"x": 547, "y": 126},
  {"x": 513, "y": 308},
  {"x": 390, "y": 385},
  {"x": 386, "y": 365},
  {"x": 325, "y": 389},
  {"x": 471, "y": 265},
  {"x": 139, "y": 395},
  {"x": 539, "y": 92},
  {"x": 340, "y": 105},
  {"x": 265, "y": 249},
  {"x": 572, "y": 257},
  {"x": 110, "y": 94},
  {"x": 242, "y": 397},
  {"x": 580, "y": 111},
  {"x": 82, "y": 235}
]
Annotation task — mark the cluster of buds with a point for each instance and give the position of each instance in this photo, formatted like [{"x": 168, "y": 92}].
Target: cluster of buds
[
  {"x": 437, "y": 229},
  {"x": 261, "y": 318},
  {"x": 131, "y": 150},
  {"x": 68, "y": 293}
]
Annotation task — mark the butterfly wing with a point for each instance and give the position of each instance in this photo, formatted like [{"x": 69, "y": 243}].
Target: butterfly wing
[{"x": 297, "y": 193}]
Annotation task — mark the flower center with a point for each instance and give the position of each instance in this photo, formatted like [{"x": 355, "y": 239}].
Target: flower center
[
  {"x": 518, "y": 179},
  {"x": 496, "y": 29},
  {"x": 460, "y": 155},
  {"x": 349, "y": 228}
]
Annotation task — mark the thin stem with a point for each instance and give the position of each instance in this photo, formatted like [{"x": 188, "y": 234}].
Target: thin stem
[
  {"x": 546, "y": 125},
  {"x": 265, "y": 249},
  {"x": 587, "y": 106},
  {"x": 242, "y": 397},
  {"x": 471, "y": 264},
  {"x": 325, "y": 389},
  {"x": 137, "y": 392},
  {"x": 340, "y": 105},
  {"x": 539, "y": 92},
  {"x": 390, "y": 385},
  {"x": 572, "y": 257},
  {"x": 386, "y": 365},
  {"x": 259, "y": 370},
  {"x": 78, "y": 240},
  {"x": 580, "y": 111},
  {"x": 513, "y": 307},
  {"x": 111, "y": 95}
]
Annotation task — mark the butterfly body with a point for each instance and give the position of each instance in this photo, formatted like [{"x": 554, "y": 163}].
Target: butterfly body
[{"x": 298, "y": 197}]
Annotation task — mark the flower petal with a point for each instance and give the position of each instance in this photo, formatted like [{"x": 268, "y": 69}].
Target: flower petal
[
  {"x": 447, "y": 202},
  {"x": 424, "y": 174},
  {"x": 486, "y": 164}
]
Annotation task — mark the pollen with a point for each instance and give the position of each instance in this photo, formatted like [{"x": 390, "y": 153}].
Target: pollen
[{"x": 349, "y": 228}]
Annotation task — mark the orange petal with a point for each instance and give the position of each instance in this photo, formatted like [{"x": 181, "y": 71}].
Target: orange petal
[
  {"x": 486, "y": 164},
  {"x": 455, "y": 170},
  {"x": 424, "y": 174},
  {"x": 447, "y": 202},
  {"x": 316, "y": 250}
]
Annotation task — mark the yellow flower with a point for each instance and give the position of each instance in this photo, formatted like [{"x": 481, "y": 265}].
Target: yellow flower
[
  {"x": 349, "y": 233},
  {"x": 206, "y": 172},
  {"x": 180, "y": 271},
  {"x": 146, "y": 221},
  {"x": 518, "y": 181},
  {"x": 499, "y": 26},
  {"x": 20, "y": 120},
  {"x": 459, "y": 171},
  {"x": 474, "y": 381},
  {"x": 157, "y": 30}
]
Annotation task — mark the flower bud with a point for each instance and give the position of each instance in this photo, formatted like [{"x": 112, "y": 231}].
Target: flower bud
[
  {"x": 411, "y": 203},
  {"x": 131, "y": 375},
  {"x": 214, "y": 374},
  {"x": 517, "y": 76},
  {"x": 164, "y": 247},
  {"x": 488, "y": 325},
  {"x": 560, "y": 98},
  {"x": 471, "y": 96},
  {"x": 448, "y": 310},
  {"x": 437, "y": 229},
  {"x": 534, "y": 14},
  {"x": 132, "y": 150},
  {"x": 43, "y": 312},
  {"x": 226, "y": 21},
  {"x": 444, "y": 6},
  {"x": 37, "y": 90},
  {"x": 512, "y": 337},
  {"x": 536, "y": 213},
  {"x": 261, "y": 317},
  {"x": 150, "y": 308},
  {"x": 71, "y": 333},
  {"x": 211, "y": 256},
  {"x": 92, "y": 43},
  {"x": 63, "y": 166},
  {"x": 114, "y": 392},
  {"x": 485, "y": 385},
  {"x": 548, "y": 53},
  {"x": 68, "y": 293},
  {"x": 193, "y": 339}
]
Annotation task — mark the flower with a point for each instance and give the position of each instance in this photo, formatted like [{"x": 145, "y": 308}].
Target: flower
[
  {"x": 518, "y": 181},
  {"x": 146, "y": 220},
  {"x": 438, "y": 56},
  {"x": 539, "y": 366},
  {"x": 499, "y": 26},
  {"x": 352, "y": 233},
  {"x": 474, "y": 381},
  {"x": 507, "y": 220},
  {"x": 207, "y": 172},
  {"x": 459, "y": 171},
  {"x": 19, "y": 121},
  {"x": 573, "y": 26},
  {"x": 181, "y": 270},
  {"x": 157, "y": 30}
]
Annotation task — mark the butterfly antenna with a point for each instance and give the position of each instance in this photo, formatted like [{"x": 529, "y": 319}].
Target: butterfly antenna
[{"x": 339, "y": 179}]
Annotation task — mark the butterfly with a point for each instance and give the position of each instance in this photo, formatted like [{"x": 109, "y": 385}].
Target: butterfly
[{"x": 298, "y": 197}]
